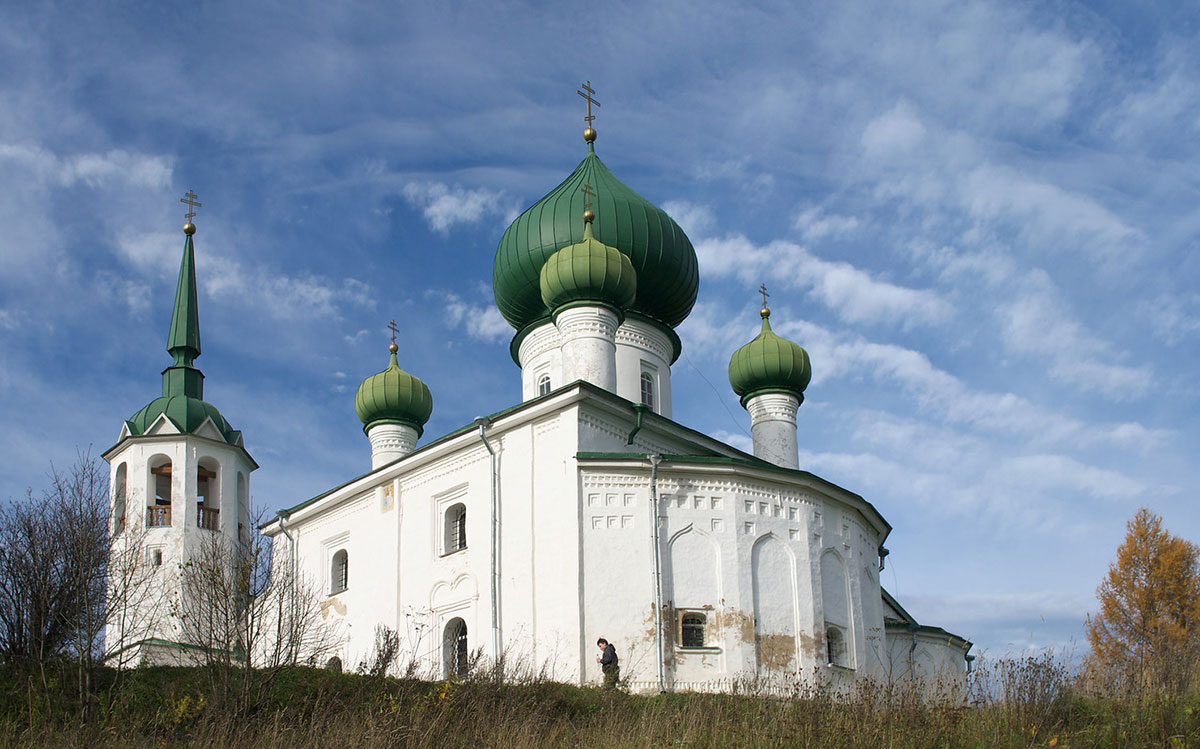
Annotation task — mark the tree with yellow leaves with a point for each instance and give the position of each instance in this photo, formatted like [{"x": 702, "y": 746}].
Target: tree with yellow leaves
[{"x": 1147, "y": 632}]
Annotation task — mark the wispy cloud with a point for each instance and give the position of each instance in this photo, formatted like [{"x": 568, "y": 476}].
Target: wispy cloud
[
  {"x": 481, "y": 321},
  {"x": 444, "y": 205},
  {"x": 851, "y": 291}
]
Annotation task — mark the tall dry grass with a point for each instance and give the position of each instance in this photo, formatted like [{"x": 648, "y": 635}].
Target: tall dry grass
[{"x": 1035, "y": 701}]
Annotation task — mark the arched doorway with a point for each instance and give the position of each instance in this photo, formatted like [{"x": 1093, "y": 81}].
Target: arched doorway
[{"x": 454, "y": 648}]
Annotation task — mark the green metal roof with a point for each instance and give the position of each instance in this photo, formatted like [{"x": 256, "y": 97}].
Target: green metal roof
[
  {"x": 588, "y": 270},
  {"x": 661, "y": 254},
  {"x": 393, "y": 396},
  {"x": 769, "y": 363},
  {"x": 182, "y": 399}
]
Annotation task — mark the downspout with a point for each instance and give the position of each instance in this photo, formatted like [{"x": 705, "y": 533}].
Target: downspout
[
  {"x": 483, "y": 423},
  {"x": 655, "y": 459},
  {"x": 292, "y": 575},
  {"x": 639, "y": 409}
]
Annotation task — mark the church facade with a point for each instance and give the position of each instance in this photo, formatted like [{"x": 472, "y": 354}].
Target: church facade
[{"x": 585, "y": 510}]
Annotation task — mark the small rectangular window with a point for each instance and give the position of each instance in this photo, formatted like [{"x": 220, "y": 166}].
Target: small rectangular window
[
  {"x": 691, "y": 631},
  {"x": 154, "y": 557}
]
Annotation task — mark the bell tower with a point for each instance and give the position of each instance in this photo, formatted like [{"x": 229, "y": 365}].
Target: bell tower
[{"x": 179, "y": 477}]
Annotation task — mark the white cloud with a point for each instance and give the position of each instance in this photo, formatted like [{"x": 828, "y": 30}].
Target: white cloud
[
  {"x": 92, "y": 169},
  {"x": 852, "y": 292},
  {"x": 1037, "y": 322},
  {"x": 481, "y": 321},
  {"x": 896, "y": 132},
  {"x": 444, "y": 206},
  {"x": 814, "y": 223},
  {"x": 695, "y": 220}
]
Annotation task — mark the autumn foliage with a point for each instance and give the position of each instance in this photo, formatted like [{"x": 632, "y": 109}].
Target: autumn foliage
[{"x": 1146, "y": 635}]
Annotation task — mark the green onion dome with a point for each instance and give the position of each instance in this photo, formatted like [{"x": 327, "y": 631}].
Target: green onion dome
[
  {"x": 590, "y": 271},
  {"x": 769, "y": 364},
  {"x": 393, "y": 397},
  {"x": 662, "y": 256}
]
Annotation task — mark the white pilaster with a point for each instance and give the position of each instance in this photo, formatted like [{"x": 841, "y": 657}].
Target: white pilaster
[
  {"x": 773, "y": 426},
  {"x": 589, "y": 350},
  {"x": 389, "y": 442}
]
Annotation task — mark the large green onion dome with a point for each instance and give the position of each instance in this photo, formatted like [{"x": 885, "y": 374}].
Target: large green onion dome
[
  {"x": 661, "y": 254},
  {"x": 769, "y": 364},
  {"x": 393, "y": 397},
  {"x": 588, "y": 271}
]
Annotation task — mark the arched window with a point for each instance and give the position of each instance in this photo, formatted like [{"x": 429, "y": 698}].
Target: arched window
[
  {"x": 691, "y": 630},
  {"x": 456, "y": 529},
  {"x": 543, "y": 384},
  {"x": 648, "y": 389},
  {"x": 118, "y": 508},
  {"x": 158, "y": 515},
  {"x": 454, "y": 649},
  {"x": 339, "y": 573},
  {"x": 835, "y": 645},
  {"x": 208, "y": 495}
]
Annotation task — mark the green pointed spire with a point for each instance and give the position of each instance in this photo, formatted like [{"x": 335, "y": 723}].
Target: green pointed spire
[
  {"x": 183, "y": 342},
  {"x": 182, "y": 400}
]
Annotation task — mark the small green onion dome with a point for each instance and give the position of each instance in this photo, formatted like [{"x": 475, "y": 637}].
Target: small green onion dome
[
  {"x": 769, "y": 364},
  {"x": 185, "y": 412},
  {"x": 588, "y": 271},
  {"x": 668, "y": 276},
  {"x": 393, "y": 397}
]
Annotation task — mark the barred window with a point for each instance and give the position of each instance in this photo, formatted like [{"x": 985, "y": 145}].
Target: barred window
[
  {"x": 691, "y": 634},
  {"x": 456, "y": 528},
  {"x": 339, "y": 573},
  {"x": 835, "y": 645}
]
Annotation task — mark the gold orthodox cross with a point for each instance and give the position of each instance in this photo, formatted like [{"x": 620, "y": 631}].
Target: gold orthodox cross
[
  {"x": 190, "y": 198},
  {"x": 763, "y": 290},
  {"x": 589, "y": 192},
  {"x": 392, "y": 327},
  {"x": 587, "y": 86}
]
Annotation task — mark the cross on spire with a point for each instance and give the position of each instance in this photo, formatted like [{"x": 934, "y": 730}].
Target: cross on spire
[
  {"x": 190, "y": 198},
  {"x": 392, "y": 327},
  {"x": 589, "y": 192},
  {"x": 763, "y": 290},
  {"x": 587, "y": 86}
]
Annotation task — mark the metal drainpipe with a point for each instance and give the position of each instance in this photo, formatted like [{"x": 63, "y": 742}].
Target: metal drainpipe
[
  {"x": 483, "y": 423},
  {"x": 291, "y": 574},
  {"x": 658, "y": 638}
]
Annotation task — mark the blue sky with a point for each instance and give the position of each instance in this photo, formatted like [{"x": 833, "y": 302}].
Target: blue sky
[{"x": 980, "y": 220}]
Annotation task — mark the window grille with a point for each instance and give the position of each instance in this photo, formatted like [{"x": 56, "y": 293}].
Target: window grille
[
  {"x": 835, "y": 646},
  {"x": 456, "y": 528},
  {"x": 340, "y": 573},
  {"x": 692, "y": 631}
]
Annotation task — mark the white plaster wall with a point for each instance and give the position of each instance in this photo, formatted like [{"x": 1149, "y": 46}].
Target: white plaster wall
[
  {"x": 540, "y": 353},
  {"x": 642, "y": 347},
  {"x": 588, "y": 345},
  {"x": 933, "y": 665},
  {"x": 389, "y": 442},
  {"x": 181, "y": 539},
  {"x": 773, "y": 427}
]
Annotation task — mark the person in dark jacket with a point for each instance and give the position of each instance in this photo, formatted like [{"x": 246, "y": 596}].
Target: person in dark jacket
[{"x": 608, "y": 663}]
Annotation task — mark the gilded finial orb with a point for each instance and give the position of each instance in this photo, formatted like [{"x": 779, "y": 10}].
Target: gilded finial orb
[
  {"x": 189, "y": 228},
  {"x": 393, "y": 347},
  {"x": 764, "y": 313},
  {"x": 589, "y": 216},
  {"x": 589, "y": 135}
]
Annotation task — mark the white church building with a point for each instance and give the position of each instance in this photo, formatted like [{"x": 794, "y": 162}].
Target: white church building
[{"x": 583, "y": 511}]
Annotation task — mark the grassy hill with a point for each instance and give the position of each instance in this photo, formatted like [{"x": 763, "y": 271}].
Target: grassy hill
[{"x": 313, "y": 707}]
